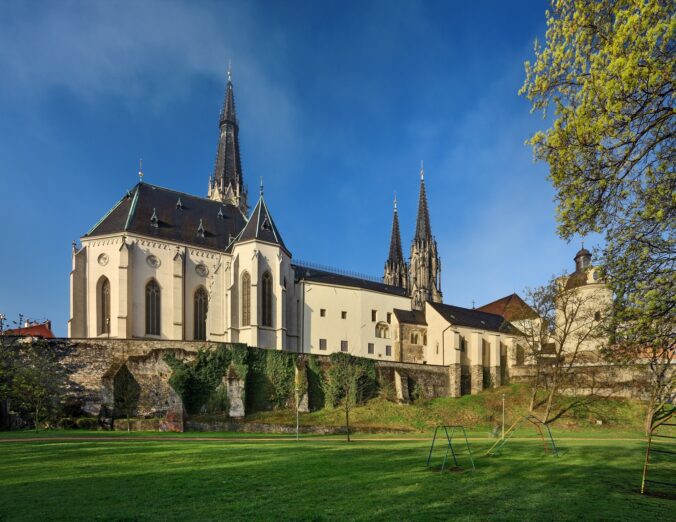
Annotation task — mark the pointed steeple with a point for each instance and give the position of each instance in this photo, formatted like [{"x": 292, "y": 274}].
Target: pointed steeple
[
  {"x": 261, "y": 227},
  {"x": 423, "y": 230},
  {"x": 425, "y": 265},
  {"x": 396, "y": 253},
  {"x": 396, "y": 273},
  {"x": 227, "y": 182}
]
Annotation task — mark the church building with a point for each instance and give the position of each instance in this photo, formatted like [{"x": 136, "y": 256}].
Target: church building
[{"x": 163, "y": 264}]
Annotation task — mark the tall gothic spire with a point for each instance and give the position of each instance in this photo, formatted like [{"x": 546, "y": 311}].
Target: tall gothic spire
[
  {"x": 423, "y": 230},
  {"x": 425, "y": 265},
  {"x": 227, "y": 182},
  {"x": 396, "y": 253},
  {"x": 396, "y": 273}
]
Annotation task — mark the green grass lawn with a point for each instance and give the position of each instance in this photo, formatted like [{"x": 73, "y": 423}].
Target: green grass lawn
[{"x": 319, "y": 479}]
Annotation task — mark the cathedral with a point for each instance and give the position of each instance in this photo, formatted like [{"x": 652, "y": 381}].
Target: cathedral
[{"x": 163, "y": 264}]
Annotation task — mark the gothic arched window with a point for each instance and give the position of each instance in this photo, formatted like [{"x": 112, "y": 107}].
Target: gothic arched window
[
  {"x": 246, "y": 299},
  {"x": 153, "y": 295},
  {"x": 201, "y": 306},
  {"x": 104, "y": 306},
  {"x": 415, "y": 339},
  {"x": 266, "y": 300}
]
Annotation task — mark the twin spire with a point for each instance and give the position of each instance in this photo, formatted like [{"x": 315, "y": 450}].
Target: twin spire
[
  {"x": 423, "y": 229},
  {"x": 422, "y": 276}
]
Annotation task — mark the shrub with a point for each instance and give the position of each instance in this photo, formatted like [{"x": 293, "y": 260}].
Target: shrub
[{"x": 87, "y": 423}]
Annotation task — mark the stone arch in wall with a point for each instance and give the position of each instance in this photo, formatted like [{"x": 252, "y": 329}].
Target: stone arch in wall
[
  {"x": 143, "y": 383},
  {"x": 126, "y": 394}
]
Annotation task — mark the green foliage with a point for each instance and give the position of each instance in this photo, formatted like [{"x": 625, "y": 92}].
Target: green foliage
[
  {"x": 35, "y": 379},
  {"x": 316, "y": 383},
  {"x": 280, "y": 370},
  {"x": 349, "y": 379},
  {"x": 126, "y": 392},
  {"x": 218, "y": 401},
  {"x": 197, "y": 381},
  {"x": 608, "y": 71},
  {"x": 417, "y": 392}
]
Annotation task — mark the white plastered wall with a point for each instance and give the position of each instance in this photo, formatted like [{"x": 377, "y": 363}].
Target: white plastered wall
[{"x": 358, "y": 328}]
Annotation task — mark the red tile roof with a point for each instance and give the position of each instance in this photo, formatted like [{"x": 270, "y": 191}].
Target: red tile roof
[
  {"x": 511, "y": 308},
  {"x": 42, "y": 330}
]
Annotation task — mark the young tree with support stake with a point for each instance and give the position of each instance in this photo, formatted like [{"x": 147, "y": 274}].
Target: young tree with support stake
[
  {"x": 348, "y": 383},
  {"x": 607, "y": 73}
]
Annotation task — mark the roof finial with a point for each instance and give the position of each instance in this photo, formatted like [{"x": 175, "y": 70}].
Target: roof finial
[
  {"x": 140, "y": 169},
  {"x": 261, "y": 186},
  {"x": 229, "y": 70},
  {"x": 395, "y": 200},
  {"x": 422, "y": 171}
]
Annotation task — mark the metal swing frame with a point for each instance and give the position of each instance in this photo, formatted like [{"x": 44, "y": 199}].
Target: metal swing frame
[
  {"x": 449, "y": 446},
  {"x": 499, "y": 444}
]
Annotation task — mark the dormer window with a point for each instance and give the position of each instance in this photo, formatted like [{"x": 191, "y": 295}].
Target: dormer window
[
  {"x": 200, "y": 229},
  {"x": 266, "y": 224},
  {"x": 179, "y": 204},
  {"x": 220, "y": 213},
  {"x": 154, "y": 222}
]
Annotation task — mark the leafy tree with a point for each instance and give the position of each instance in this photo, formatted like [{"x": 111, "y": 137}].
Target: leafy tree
[
  {"x": 39, "y": 379},
  {"x": 607, "y": 71},
  {"x": 568, "y": 328},
  {"x": 349, "y": 382}
]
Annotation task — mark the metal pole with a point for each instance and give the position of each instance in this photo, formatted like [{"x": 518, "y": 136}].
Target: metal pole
[{"x": 503, "y": 416}]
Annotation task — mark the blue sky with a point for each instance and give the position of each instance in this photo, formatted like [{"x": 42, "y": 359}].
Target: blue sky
[{"x": 338, "y": 102}]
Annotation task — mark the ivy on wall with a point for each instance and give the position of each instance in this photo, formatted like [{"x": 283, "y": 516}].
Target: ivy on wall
[
  {"x": 315, "y": 381},
  {"x": 199, "y": 382},
  {"x": 269, "y": 377},
  {"x": 334, "y": 383}
]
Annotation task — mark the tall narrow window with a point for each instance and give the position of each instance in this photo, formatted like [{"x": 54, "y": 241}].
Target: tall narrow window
[
  {"x": 104, "y": 306},
  {"x": 266, "y": 300},
  {"x": 246, "y": 299},
  {"x": 201, "y": 306},
  {"x": 152, "y": 308}
]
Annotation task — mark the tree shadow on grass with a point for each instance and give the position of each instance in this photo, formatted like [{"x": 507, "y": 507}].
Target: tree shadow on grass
[{"x": 287, "y": 480}]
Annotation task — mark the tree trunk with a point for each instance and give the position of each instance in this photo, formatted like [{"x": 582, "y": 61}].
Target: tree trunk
[
  {"x": 36, "y": 417},
  {"x": 347, "y": 422},
  {"x": 128, "y": 424},
  {"x": 550, "y": 399},
  {"x": 532, "y": 398}
]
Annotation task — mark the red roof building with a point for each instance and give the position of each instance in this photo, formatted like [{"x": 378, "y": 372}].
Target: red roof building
[
  {"x": 41, "y": 330},
  {"x": 511, "y": 308}
]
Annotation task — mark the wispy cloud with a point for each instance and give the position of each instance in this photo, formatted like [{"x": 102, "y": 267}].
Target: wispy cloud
[{"x": 145, "y": 53}]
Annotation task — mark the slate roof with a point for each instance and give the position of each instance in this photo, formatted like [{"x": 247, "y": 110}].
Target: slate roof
[
  {"x": 305, "y": 273},
  {"x": 511, "y": 307},
  {"x": 178, "y": 223},
  {"x": 410, "y": 316},
  {"x": 474, "y": 318},
  {"x": 261, "y": 227}
]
